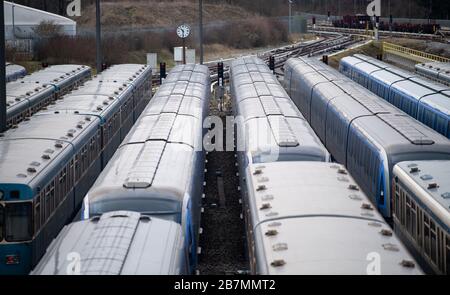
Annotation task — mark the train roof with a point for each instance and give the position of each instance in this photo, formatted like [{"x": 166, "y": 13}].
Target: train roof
[
  {"x": 21, "y": 157},
  {"x": 148, "y": 177},
  {"x": 19, "y": 91},
  {"x": 438, "y": 102},
  {"x": 413, "y": 90},
  {"x": 387, "y": 77},
  {"x": 152, "y": 167},
  {"x": 13, "y": 72},
  {"x": 135, "y": 245},
  {"x": 51, "y": 126},
  {"x": 176, "y": 104},
  {"x": 126, "y": 73},
  {"x": 69, "y": 69},
  {"x": 290, "y": 139},
  {"x": 430, "y": 84},
  {"x": 429, "y": 180},
  {"x": 402, "y": 135},
  {"x": 351, "y": 60},
  {"x": 108, "y": 88},
  {"x": 266, "y": 106},
  {"x": 307, "y": 218},
  {"x": 436, "y": 66},
  {"x": 404, "y": 74},
  {"x": 372, "y": 60},
  {"x": 96, "y": 105},
  {"x": 366, "y": 67},
  {"x": 38, "y": 143}
]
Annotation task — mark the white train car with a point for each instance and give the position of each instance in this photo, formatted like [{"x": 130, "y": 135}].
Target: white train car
[
  {"x": 310, "y": 218},
  {"x": 422, "y": 211},
  {"x": 135, "y": 245},
  {"x": 158, "y": 169}
]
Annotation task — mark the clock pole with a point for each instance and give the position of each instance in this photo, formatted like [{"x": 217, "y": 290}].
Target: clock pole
[{"x": 184, "y": 51}]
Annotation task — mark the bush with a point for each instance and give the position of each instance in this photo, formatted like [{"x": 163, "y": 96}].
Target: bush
[{"x": 256, "y": 32}]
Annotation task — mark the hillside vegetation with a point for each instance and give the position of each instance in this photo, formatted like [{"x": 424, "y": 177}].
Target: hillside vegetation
[
  {"x": 160, "y": 13},
  {"x": 399, "y": 8}
]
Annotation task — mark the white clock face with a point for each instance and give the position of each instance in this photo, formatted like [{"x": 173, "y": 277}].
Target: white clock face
[{"x": 183, "y": 31}]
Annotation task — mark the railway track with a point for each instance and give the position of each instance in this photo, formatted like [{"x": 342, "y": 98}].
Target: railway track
[
  {"x": 328, "y": 42},
  {"x": 223, "y": 239},
  {"x": 360, "y": 32}
]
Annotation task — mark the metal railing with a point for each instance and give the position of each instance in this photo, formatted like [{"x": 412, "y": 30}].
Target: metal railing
[{"x": 412, "y": 54}]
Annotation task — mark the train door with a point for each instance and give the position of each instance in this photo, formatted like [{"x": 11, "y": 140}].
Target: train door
[
  {"x": 381, "y": 191},
  {"x": 191, "y": 244}
]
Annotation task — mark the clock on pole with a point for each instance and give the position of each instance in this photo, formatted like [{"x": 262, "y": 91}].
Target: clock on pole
[{"x": 183, "y": 31}]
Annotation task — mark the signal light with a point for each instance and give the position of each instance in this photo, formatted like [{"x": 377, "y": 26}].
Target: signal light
[
  {"x": 162, "y": 72},
  {"x": 220, "y": 72},
  {"x": 12, "y": 259},
  {"x": 272, "y": 63}
]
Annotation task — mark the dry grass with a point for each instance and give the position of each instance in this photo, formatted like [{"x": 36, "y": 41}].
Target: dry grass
[
  {"x": 371, "y": 49},
  {"x": 159, "y": 13},
  {"x": 432, "y": 47}
]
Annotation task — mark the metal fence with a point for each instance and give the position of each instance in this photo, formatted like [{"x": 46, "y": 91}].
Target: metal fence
[{"x": 411, "y": 54}]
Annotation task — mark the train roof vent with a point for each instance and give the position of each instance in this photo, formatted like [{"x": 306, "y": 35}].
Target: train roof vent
[
  {"x": 162, "y": 128},
  {"x": 433, "y": 185},
  {"x": 145, "y": 166},
  {"x": 106, "y": 250},
  {"x": 173, "y": 104},
  {"x": 371, "y": 104},
  {"x": 282, "y": 132},
  {"x": 270, "y": 106},
  {"x": 403, "y": 126}
]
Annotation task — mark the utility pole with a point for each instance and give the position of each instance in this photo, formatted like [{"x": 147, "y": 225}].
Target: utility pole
[
  {"x": 98, "y": 36},
  {"x": 13, "y": 23},
  {"x": 2, "y": 70},
  {"x": 201, "y": 30},
  {"x": 290, "y": 17}
]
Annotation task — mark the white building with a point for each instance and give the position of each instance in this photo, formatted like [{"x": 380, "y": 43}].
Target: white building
[{"x": 23, "y": 20}]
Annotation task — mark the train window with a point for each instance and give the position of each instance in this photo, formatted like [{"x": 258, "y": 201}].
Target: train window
[
  {"x": 441, "y": 249},
  {"x": 426, "y": 234},
  {"x": 408, "y": 215},
  {"x": 15, "y": 195},
  {"x": 447, "y": 255},
  {"x": 402, "y": 207},
  {"x": 419, "y": 227},
  {"x": 18, "y": 222},
  {"x": 42, "y": 199},
  {"x": 47, "y": 202},
  {"x": 397, "y": 203},
  {"x": 37, "y": 214},
  {"x": 413, "y": 220},
  {"x": 433, "y": 241},
  {"x": 2, "y": 221}
]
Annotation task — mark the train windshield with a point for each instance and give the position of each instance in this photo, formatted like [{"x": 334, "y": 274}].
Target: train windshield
[
  {"x": 18, "y": 222},
  {"x": 2, "y": 221}
]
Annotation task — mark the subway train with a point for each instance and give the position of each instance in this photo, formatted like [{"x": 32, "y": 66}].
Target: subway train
[
  {"x": 14, "y": 72},
  {"x": 130, "y": 249},
  {"x": 310, "y": 218},
  {"x": 423, "y": 100},
  {"x": 34, "y": 92},
  {"x": 422, "y": 211},
  {"x": 260, "y": 105},
  {"x": 437, "y": 71},
  {"x": 51, "y": 160},
  {"x": 301, "y": 211},
  {"x": 363, "y": 132},
  {"x": 158, "y": 170}
]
